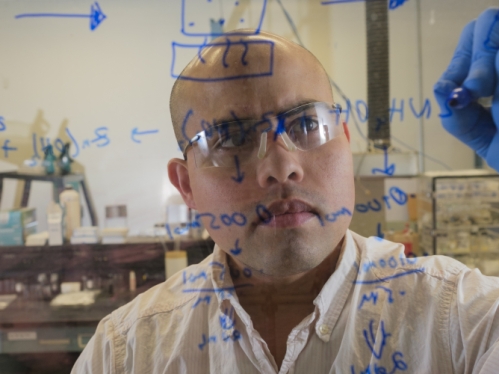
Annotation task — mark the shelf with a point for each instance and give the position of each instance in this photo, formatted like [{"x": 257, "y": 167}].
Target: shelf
[{"x": 30, "y": 325}]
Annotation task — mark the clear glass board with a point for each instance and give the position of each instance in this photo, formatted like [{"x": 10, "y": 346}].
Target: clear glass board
[{"x": 86, "y": 99}]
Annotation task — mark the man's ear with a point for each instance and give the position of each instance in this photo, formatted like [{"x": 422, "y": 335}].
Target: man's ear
[
  {"x": 347, "y": 132},
  {"x": 179, "y": 177}
]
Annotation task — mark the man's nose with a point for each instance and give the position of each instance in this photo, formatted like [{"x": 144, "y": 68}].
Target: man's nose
[{"x": 279, "y": 164}]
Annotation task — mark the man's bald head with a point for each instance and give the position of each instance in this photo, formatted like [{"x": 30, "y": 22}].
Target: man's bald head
[{"x": 245, "y": 63}]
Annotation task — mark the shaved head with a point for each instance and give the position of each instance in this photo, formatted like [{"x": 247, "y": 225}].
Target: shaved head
[{"x": 216, "y": 66}]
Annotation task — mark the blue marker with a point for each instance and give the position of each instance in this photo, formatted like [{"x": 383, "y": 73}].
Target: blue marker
[{"x": 460, "y": 98}]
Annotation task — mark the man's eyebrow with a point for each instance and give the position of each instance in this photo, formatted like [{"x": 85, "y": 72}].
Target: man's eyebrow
[
  {"x": 234, "y": 118},
  {"x": 296, "y": 106}
]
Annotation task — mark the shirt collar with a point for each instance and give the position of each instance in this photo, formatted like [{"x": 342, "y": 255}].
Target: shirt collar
[
  {"x": 337, "y": 288},
  {"x": 224, "y": 288},
  {"x": 220, "y": 276}
]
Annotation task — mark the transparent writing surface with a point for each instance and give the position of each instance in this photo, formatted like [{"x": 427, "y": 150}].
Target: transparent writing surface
[{"x": 270, "y": 154}]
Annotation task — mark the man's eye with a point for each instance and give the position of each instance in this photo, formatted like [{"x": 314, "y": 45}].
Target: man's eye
[
  {"x": 310, "y": 124},
  {"x": 234, "y": 141},
  {"x": 305, "y": 125}
]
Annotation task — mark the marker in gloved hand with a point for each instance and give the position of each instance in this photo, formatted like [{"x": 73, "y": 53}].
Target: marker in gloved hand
[{"x": 459, "y": 98}]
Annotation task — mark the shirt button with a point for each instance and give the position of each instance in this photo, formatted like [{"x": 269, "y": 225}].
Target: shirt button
[{"x": 324, "y": 329}]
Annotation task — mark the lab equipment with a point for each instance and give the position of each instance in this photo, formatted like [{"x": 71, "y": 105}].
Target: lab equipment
[
  {"x": 132, "y": 280},
  {"x": 37, "y": 239},
  {"x": 16, "y": 225},
  {"x": 85, "y": 235},
  {"x": 76, "y": 180},
  {"x": 70, "y": 201},
  {"x": 55, "y": 224},
  {"x": 116, "y": 216},
  {"x": 177, "y": 221},
  {"x": 114, "y": 235},
  {"x": 174, "y": 262},
  {"x": 65, "y": 160},
  {"x": 49, "y": 160},
  {"x": 459, "y": 213}
]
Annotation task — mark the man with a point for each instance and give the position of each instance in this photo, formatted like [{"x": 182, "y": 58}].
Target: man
[{"x": 289, "y": 288}]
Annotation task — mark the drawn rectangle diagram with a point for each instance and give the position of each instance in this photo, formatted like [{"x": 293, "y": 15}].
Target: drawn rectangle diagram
[
  {"x": 196, "y": 16},
  {"x": 238, "y": 60}
]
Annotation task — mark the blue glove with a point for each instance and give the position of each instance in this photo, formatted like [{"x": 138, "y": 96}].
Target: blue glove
[{"x": 475, "y": 67}]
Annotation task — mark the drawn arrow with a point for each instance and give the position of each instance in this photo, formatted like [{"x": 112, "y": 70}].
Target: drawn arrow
[
  {"x": 96, "y": 15},
  {"x": 380, "y": 234},
  {"x": 136, "y": 133},
  {"x": 235, "y": 251},
  {"x": 240, "y": 175},
  {"x": 389, "y": 169},
  {"x": 394, "y": 4}
]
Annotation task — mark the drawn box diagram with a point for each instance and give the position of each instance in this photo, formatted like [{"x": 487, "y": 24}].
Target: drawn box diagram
[
  {"x": 238, "y": 60},
  {"x": 196, "y": 15}
]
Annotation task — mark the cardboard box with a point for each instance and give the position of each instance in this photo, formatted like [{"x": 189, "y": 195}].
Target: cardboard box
[{"x": 16, "y": 225}]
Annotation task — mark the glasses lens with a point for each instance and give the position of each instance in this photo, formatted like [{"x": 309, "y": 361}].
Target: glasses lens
[
  {"x": 313, "y": 125},
  {"x": 225, "y": 145},
  {"x": 308, "y": 126}
]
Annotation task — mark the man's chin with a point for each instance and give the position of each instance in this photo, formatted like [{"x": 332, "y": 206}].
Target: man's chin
[{"x": 283, "y": 262}]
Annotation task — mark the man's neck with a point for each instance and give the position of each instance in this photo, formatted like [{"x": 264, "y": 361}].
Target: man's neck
[
  {"x": 276, "y": 305},
  {"x": 305, "y": 282}
]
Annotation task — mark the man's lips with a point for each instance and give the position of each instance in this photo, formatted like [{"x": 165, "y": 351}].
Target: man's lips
[{"x": 285, "y": 213}]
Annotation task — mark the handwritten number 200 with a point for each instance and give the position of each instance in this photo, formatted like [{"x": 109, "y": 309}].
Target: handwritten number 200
[{"x": 236, "y": 218}]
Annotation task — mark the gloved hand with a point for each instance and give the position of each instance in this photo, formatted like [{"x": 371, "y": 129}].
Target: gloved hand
[{"x": 474, "y": 66}]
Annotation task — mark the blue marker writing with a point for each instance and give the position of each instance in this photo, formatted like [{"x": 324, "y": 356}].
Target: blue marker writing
[
  {"x": 206, "y": 299},
  {"x": 101, "y": 134},
  {"x": 380, "y": 234},
  {"x": 227, "y": 320},
  {"x": 75, "y": 143},
  {"x": 7, "y": 149},
  {"x": 215, "y": 290},
  {"x": 222, "y": 273},
  {"x": 96, "y": 15},
  {"x": 136, "y": 133},
  {"x": 373, "y": 296},
  {"x": 211, "y": 339},
  {"x": 370, "y": 339},
  {"x": 240, "y": 175},
  {"x": 388, "y": 169},
  {"x": 236, "y": 250},
  {"x": 381, "y": 280}
]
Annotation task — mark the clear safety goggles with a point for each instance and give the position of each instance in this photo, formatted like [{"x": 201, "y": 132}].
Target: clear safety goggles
[{"x": 240, "y": 142}]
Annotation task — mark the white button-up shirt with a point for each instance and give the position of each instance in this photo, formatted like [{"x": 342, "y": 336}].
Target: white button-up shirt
[{"x": 378, "y": 313}]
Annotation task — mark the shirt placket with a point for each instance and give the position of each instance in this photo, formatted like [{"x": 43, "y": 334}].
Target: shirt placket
[
  {"x": 259, "y": 356},
  {"x": 296, "y": 342}
]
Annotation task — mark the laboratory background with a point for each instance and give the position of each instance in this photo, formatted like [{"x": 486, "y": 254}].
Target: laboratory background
[{"x": 88, "y": 217}]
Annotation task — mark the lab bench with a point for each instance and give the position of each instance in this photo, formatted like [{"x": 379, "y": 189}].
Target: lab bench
[{"x": 29, "y": 324}]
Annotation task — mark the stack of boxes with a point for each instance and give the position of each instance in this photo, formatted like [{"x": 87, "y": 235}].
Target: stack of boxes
[{"x": 16, "y": 225}]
